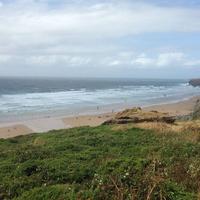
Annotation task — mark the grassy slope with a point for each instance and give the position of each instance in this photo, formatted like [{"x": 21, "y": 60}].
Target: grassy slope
[{"x": 99, "y": 163}]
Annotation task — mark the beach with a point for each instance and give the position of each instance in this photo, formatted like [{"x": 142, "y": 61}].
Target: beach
[
  {"x": 178, "y": 108},
  {"x": 8, "y": 130}
]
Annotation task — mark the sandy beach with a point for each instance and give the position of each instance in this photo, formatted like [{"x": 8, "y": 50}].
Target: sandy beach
[
  {"x": 13, "y": 129},
  {"x": 180, "y": 108},
  {"x": 40, "y": 125}
]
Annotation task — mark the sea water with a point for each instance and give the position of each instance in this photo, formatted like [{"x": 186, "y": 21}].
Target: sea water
[{"x": 50, "y": 96}]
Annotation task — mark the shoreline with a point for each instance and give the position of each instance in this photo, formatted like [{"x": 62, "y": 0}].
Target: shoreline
[{"x": 39, "y": 125}]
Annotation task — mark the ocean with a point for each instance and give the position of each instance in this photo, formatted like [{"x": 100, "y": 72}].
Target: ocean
[{"x": 22, "y": 97}]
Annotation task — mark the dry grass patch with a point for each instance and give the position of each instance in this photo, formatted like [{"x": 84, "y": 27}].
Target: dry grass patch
[
  {"x": 159, "y": 127},
  {"x": 191, "y": 130},
  {"x": 191, "y": 126},
  {"x": 187, "y": 130}
]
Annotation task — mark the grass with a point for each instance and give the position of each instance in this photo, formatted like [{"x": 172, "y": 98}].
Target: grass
[{"x": 100, "y": 163}]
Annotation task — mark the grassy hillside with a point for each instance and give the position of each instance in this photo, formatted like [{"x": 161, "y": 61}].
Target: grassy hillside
[{"x": 100, "y": 163}]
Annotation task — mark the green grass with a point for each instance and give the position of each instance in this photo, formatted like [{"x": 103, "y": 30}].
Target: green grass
[{"x": 99, "y": 163}]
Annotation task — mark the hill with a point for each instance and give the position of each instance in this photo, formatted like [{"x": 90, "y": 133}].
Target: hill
[{"x": 106, "y": 162}]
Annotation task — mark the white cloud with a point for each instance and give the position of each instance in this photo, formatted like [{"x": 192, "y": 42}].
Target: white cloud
[
  {"x": 166, "y": 59},
  {"x": 41, "y": 60},
  {"x": 143, "y": 60},
  {"x": 45, "y": 60},
  {"x": 31, "y": 24},
  {"x": 4, "y": 58},
  {"x": 32, "y": 33},
  {"x": 114, "y": 63},
  {"x": 161, "y": 60},
  {"x": 192, "y": 63}
]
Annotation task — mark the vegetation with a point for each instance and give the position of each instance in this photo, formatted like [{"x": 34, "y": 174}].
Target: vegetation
[
  {"x": 106, "y": 162},
  {"x": 196, "y": 111}
]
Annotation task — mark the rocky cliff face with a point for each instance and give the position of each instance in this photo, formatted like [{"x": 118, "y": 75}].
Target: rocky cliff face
[{"x": 195, "y": 82}]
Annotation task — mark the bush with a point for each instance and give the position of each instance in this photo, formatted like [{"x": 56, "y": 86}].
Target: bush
[{"x": 99, "y": 163}]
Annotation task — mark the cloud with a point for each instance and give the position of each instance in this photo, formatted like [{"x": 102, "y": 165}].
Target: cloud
[
  {"x": 88, "y": 34},
  {"x": 4, "y": 58},
  {"x": 143, "y": 60},
  {"x": 192, "y": 63},
  {"x": 166, "y": 59},
  {"x": 35, "y": 24},
  {"x": 161, "y": 60},
  {"x": 45, "y": 60},
  {"x": 114, "y": 63}
]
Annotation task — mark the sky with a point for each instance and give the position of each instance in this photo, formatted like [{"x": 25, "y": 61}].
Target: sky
[{"x": 100, "y": 38}]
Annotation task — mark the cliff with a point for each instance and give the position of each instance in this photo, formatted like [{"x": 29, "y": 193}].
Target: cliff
[{"x": 195, "y": 82}]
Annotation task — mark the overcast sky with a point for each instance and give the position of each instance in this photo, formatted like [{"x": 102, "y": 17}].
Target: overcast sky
[{"x": 96, "y": 38}]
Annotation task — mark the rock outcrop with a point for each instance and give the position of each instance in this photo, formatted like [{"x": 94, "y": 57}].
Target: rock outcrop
[
  {"x": 137, "y": 115},
  {"x": 195, "y": 82}
]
